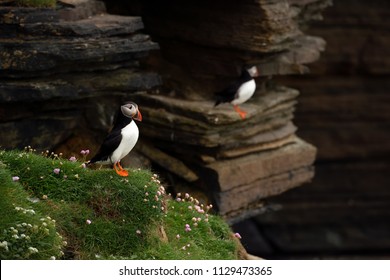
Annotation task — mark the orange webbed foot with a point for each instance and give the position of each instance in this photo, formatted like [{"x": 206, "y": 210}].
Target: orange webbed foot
[
  {"x": 121, "y": 172},
  {"x": 242, "y": 115},
  {"x": 240, "y": 112}
]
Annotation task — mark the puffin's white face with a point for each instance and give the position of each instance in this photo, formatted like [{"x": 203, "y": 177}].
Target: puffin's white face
[
  {"x": 130, "y": 110},
  {"x": 253, "y": 71}
]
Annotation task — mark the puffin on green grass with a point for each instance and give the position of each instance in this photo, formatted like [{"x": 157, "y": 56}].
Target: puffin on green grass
[{"x": 121, "y": 140}]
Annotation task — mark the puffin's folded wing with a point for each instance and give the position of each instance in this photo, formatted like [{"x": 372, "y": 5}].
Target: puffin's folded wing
[
  {"x": 110, "y": 143},
  {"x": 228, "y": 94}
]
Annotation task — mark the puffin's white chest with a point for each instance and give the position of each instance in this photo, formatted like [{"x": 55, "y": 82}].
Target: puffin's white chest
[
  {"x": 130, "y": 135},
  {"x": 244, "y": 92}
]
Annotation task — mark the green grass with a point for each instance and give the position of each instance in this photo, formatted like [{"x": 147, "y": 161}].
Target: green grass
[
  {"x": 72, "y": 212},
  {"x": 25, "y": 232},
  {"x": 37, "y": 3}
]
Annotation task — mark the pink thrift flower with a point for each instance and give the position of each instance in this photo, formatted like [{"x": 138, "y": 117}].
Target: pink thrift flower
[
  {"x": 15, "y": 178},
  {"x": 84, "y": 152},
  {"x": 72, "y": 159},
  {"x": 88, "y": 222},
  {"x": 237, "y": 235},
  {"x": 56, "y": 170}
]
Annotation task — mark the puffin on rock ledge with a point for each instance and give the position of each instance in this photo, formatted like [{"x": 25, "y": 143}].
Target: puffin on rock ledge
[
  {"x": 240, "y": 91},
  {"x": 121, "y": 140}
]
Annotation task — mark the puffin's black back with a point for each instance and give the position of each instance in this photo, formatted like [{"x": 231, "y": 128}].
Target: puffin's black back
[
  {"x": 113, "y": 139},
  {"x": 229, "y": 93},
  {"x": 120, "y": 120}
]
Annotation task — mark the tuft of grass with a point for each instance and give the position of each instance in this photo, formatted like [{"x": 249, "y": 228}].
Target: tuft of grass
[
  {"x": 37, "y": 3},
  {"x": 25, "y": 232},
  {"x": 193, "y": 231},
  {"x": 95, "y": 214}
]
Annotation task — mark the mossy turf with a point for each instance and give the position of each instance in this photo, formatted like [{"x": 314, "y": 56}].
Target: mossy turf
[
  {"x": 55, "y": 208},
  {"x": 37, "y": 3}
]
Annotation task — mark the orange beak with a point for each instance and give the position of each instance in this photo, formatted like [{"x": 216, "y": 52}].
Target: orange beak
[{"x": 138, "y": 117}]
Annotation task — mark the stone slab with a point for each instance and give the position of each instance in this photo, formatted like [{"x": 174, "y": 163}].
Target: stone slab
[
  {"x": 243, "y": 198},
  {"x": 229, "y": 174}
]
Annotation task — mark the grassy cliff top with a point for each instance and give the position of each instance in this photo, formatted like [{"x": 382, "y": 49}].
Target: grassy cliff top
[
  {"x": 36, "y": 3},
  {"x": 55, "y": 208}
]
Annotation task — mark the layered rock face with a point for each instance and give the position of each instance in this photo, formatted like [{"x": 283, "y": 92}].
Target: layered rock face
[
  {"x": 344, "y": 211},
  {"x": 64, "y": 71},
  {"x": 204, "y": 45}
]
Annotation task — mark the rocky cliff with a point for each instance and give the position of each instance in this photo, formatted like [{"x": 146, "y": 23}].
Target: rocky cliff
[
  {"x": 204, "y": 45},
  {"x": 343, "y": 212},
  {"x": 64, "y": 70}
]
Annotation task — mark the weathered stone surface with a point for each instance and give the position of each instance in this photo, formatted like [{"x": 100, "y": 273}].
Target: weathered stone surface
[
  {"x": 42, "y": 131},
  {"x": 43, "y": 41},
  {"x": 19, "y": 59},
  {"x": 76, "y": 87},
  {"x": 203, "y": 47},
  {"x": 228, "y": 154},
  {"x": 18, "y": 15},
  {"x": 170, "y": 163},
  {"x": 87, "y": 61},
  {"x": 65, "y": 70},
  {"x": 343, "y": 212},
  {"x": 193, "y": 21},
  {"x": 248, "y": 169},
  {"x": 223, "y": 116},
  {"x": 269, "y": 139},
  {"x": 95, "y": 26},
  {"x": 81, "y": 9},
  {"x": 212, "y": 41},
  {"x": 242, "y": 198}
]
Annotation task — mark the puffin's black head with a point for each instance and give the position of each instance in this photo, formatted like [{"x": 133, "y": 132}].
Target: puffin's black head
[
  {"x": 131, "y": 110},
  {"x": 253, "y": 71}
]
